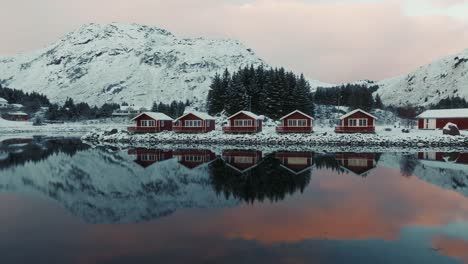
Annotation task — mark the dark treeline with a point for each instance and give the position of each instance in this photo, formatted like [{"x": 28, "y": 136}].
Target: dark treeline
[
  {"x": 271, "y": 92},
  {"x": 31, "y": 101},
  {"x": 352, "y": 95},
  {"x": 451, "y": 103},
  {"x": 268, "y": 181},
  {"x": 70, "y": 111},
  {"x": 174, "y": 109}
]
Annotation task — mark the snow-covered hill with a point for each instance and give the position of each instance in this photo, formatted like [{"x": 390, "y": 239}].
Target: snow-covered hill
[
  {"x": 126, "y": 63},
  {"x": 429, "y": 84}
]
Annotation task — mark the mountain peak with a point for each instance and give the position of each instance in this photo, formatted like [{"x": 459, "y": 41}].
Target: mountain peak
[{"x": 131, "y": 63}]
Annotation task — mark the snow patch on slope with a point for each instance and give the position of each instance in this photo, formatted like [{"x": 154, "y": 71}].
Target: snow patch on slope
[{"x": 447, "y": 77}]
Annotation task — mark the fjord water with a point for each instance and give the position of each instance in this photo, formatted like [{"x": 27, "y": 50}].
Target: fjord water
[{"x": 62, "y": 201}]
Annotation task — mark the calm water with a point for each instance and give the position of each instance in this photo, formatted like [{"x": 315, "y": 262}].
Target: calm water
[{"x": 62, "y": 201}]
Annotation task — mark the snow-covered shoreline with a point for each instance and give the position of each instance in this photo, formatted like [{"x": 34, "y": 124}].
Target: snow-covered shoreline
[{"x": 379, "y": 141}]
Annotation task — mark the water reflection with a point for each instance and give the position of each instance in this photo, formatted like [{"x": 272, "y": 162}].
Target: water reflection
[
  {"x": 243, "y": 175},
  {"x": 229, "y": 205}
]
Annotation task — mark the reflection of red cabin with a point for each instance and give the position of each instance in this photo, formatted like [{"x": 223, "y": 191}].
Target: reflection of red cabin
[
  {"x": 244, "y": 122},
  {"x": 295, "y": 122},
  {"x": 295, "y": 162},
  {"x": 147, "y": 157},
  {"x": 192, "y": 158},
  {"x": 437, "y": 119},
  {"x": 357, "y": 121},
  {"x": 454, "y": 157},
  {"x": 151, "y": 122},
  {"x": 242, "y": 160},
  {"x": 358, "y": 163},
  {"x": 194, "y": 122},
  {"x": 16, "y": 116}
]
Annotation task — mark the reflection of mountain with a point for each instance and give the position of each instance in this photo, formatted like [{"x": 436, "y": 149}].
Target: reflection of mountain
[
  {"x": 447, "y": 170},
  {"x": 266, "y": 180},
  {"x": 14, "y": 152},
  {"x": 103, "y": 186}
]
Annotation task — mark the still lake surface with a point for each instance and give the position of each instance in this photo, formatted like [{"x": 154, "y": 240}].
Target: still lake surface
[{"x": 62, "y": 201}]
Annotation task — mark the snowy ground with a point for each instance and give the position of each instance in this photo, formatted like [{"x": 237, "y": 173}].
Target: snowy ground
[
  {"x": 11, "y": 129},
  {"x": 323, "y": 136}
]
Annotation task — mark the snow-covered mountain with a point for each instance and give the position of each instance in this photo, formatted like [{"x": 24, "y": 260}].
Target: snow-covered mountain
[
  {"x": 429, "y": 84},
  {"x": 125, "y": 62}
]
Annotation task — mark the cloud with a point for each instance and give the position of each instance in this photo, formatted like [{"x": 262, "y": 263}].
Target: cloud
[{"x": 333, "y": 41}]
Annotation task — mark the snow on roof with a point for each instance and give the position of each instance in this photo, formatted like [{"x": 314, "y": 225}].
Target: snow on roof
[
  {"x": 355, "y": 111},
  {"x": 252, "y": 115},
  {"x": 3, "y": 100},
  {"x": 201, "y": 115},
  {"x": 155, "y": 115},
  {"x": 297, "y": 111},
  {"x": 17, "y": 105},
  {"x": 445, "y": 113},
  {"x": 130, "y": 107},
  {"x": 17, "y": 113}
]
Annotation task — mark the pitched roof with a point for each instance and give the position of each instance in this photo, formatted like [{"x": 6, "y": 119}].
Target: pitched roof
[
  {"x": 297, "y": 111},
  {"x": 355, "y": 111},
  {"x": 201, "y": 115},
  {"x": 445, "y": 113},
  {"x": 154, "y": 115},
  {"x": 3, "y": 100},
  {"x": 250, "y": 114}
]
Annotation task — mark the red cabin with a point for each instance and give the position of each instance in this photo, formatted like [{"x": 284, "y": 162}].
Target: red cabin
[
  {"x": 357, "y": 163},
  {"x": 147, "y": 157},
  {"x": 16, "y": 116},
  {"x": 244, "y": 122},
  {"x": 194, "y": 122},
  {"x": 437, "y": 119},
  {"x": 295, "y": 122},
  {"x": 151, "y": 122},
  {"x": 192, "y": 158},
  {"x": 357, "y": 121},
  {"x": 242, "y": 160},
  {"x": 295, "y": 162}
]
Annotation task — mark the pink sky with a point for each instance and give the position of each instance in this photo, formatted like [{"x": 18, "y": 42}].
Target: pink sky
[{"x": 332, "y": 40}]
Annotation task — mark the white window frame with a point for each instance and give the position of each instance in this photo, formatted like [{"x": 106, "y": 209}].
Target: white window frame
[
  {"x": 148, "y": 157},
  {"x": 148, "y": 123},
  {"x": 297, "y": 122},
  {"x": 358, "y": 122},
  {"x": 193, "y": 123},
  {"x": 243, "y": 159},
  {"x": 243, "y": 123}
]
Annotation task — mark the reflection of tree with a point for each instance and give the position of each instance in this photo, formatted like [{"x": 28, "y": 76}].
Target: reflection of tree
[
  {"x": 266, "y": 181},
  {"x": 38, "y": 149},
  {"x": 327, "y": 161},
  {"x": 407, "y": 164}
]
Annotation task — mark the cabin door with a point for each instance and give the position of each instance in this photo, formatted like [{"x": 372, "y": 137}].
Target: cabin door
[{"x": 429, "y": 124}]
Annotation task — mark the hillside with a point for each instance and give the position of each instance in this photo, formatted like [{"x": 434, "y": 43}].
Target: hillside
[
  {"x": 125, "y": 63},
  {"x": 447, "y": 77}
]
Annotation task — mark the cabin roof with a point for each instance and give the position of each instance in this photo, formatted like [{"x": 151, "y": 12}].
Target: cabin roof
[
  {"x": 296, "y": 111},
  {"x": 250, "y": 114},
  {"x": 445, "y": 113},
  {"x": 201, "y": 115},
  {"x": 154, "y": 115},
  {"x": 3, "y": 100},
  {"x": 355, "y": 111}
]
